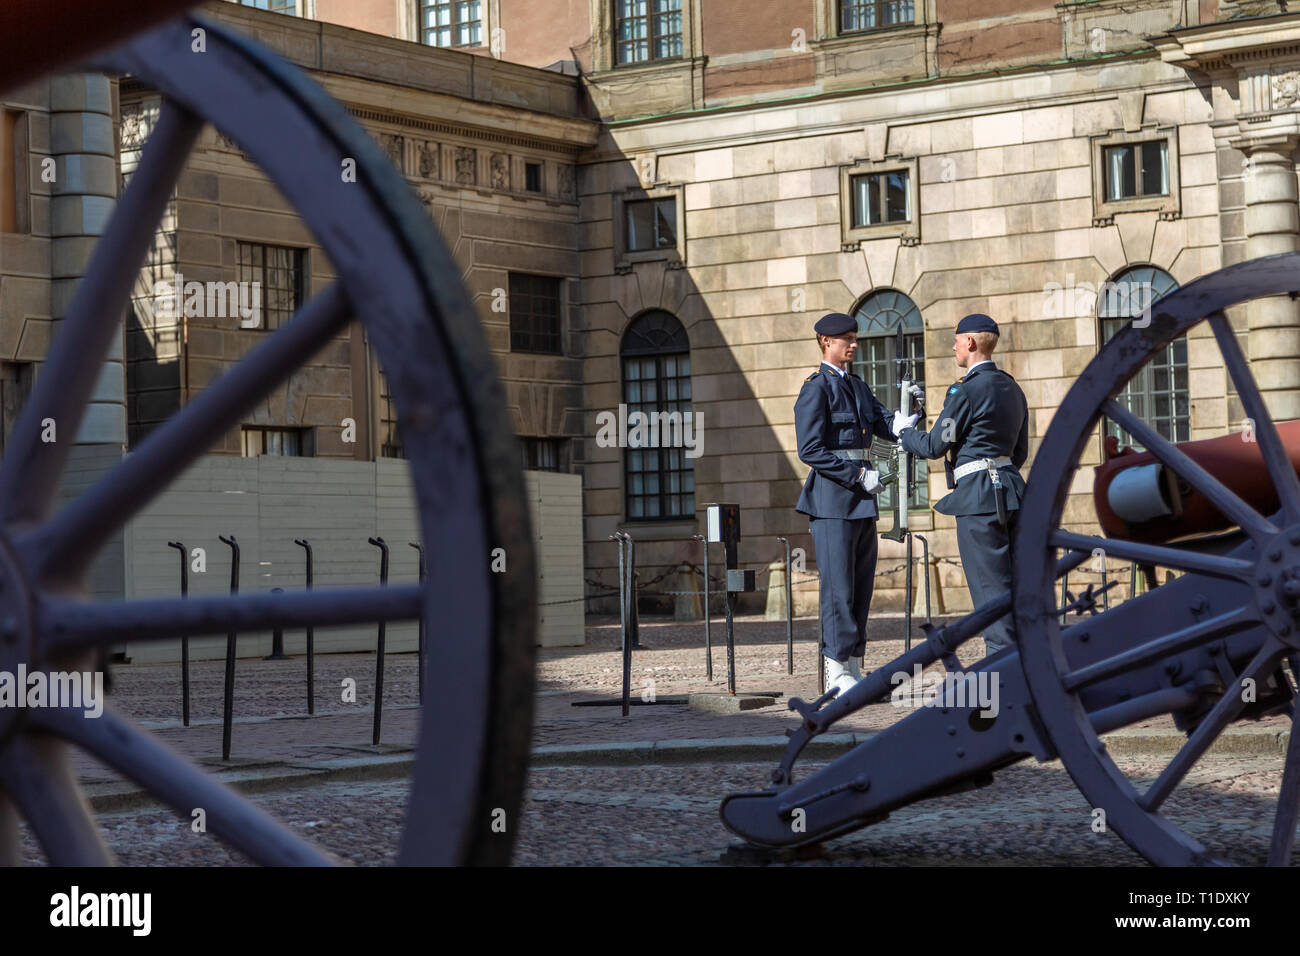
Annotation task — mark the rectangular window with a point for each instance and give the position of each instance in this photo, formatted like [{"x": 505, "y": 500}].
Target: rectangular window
[
  {"x": 881, "y": 198},
  {"x": 279, "y": 272},
  {"x": 858, "y": 15},
  {"x": 660, "y": 481},
  {"x": 275, "y": 6},
  {"x": 1137, "y": 169},
  {"x": 647, "y": 30},
  {"x": 534, "y": 314},
  {"x": 288, "y": 442},
  {"x": 544, "y": 454},
  {"x": 533, "y": 177},
  {"x": 1158, "y": 393},
  {"x": 13, "y": 171},
  {"x": 452, "y": 24},
  {"x": 651, "y": 224}
]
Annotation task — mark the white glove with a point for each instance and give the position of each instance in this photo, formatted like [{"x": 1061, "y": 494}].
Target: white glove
[
  {"x": 901, "y": 421},
  {"x": 870, "y": 481}
]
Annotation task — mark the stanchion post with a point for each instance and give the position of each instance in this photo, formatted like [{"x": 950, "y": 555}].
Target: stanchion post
[
  {"x": 185, "y": 641},
  {"x": 724, "y": 527},
  {"x": 277, "y": 638},
  {"x": 925, "y": 560},
  {"x": 228, "y": 708},
  {"x": 624, "y": 649},
  {"x": 708, "y": 642},
  {"x": 789, "y": 611},
  {"x": 419, "y": 548},
  {"x": 311, "y": 657},
  {"x": 629, "y": 591},
  {"x": 1105, "y": 578},
  {"x": 379, "y": 645}
]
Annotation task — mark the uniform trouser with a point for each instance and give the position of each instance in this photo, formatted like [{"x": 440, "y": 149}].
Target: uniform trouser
[
  {"x": 846, "y": 562},
  {"x": 985, "y": 549}
]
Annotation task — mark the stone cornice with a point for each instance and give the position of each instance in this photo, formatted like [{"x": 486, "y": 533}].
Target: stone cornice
[{"x": 1231, "y": 44}]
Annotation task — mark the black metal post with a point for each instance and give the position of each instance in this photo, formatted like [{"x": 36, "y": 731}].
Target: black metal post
[
  {"x": 1132, "y": 580},
  {"x": 311, "y": 658},
  {"x": 925, "y": 560},
  {"x": 185, "y": 641},
  {"x": 731, "y": 552},
  {"x": 419, "y": 646},
  {"x": 228, "y": 708},
  {"x": 277, "y": 638},
  {"x": 633, "y": 618},
  {"x": 907, "y": 587},
  {"x": 379, "y": 646},
  {"x": 708, "y": 641},
  {"x": 789, "y": 611},
  {"x": 1105, "y": 578},
  {"x": 629, "y": 590},
  {"x": 623, "y": 622},
  {"x": 1065, "y": 584}
]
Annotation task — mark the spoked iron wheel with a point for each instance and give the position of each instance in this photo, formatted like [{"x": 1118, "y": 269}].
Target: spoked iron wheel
[
  {"x": 1238, "y": 595},
  {"x": 397, "y": 278}
]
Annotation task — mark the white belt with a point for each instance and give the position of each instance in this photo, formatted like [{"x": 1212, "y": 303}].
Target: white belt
[
  {"x": 961, "y": 471},
  {"x": 856, "y": 454}
]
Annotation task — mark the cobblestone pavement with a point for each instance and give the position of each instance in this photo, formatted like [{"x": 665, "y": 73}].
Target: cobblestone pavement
[
  {"x": 659, "y": 815},
  {"x": 626, "y": 814}
]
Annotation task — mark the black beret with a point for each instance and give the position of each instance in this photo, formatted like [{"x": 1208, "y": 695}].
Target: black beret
[
  {"x": 835, "y": 323},
  {"x": 977, "y": 322}
]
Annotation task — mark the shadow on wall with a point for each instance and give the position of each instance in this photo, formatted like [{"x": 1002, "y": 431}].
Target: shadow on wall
[{"x": 659, "y": 342}]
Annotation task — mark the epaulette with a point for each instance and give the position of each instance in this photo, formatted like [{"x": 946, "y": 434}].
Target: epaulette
[{"x": 813, "y": 376}]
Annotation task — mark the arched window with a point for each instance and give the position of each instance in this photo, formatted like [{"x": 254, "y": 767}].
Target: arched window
[
  {"x": 1158, "y": 392},
  {"x": 880, "y": 315},
  {"x": 658, "y": 480}
]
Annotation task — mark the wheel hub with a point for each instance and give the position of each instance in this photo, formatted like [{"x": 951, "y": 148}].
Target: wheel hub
[
  {"x": 17, "y": 640},
  {"x": 1277, "y": 586}
]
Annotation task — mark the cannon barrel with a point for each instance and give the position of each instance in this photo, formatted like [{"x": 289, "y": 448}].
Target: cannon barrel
[{"x": 1140, "y": 499}]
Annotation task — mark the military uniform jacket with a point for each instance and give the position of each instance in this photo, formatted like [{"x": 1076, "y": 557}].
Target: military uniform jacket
[
  {"x": 984, "y": 415},
  {"x": 834, "y": 412}
]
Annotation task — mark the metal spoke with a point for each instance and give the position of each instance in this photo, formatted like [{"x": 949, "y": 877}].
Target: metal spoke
[
  {"x": 174, "y": 780},
  {"x": 1222, "y": 497},
  {"x": 32, "y": 466},
  {"x": 67, "y": 625},
  {"x": 1288, "y": 801},
  {"x": 72, "y": 538},
  {"x": 1213, "y": 564},
  {"x": 1212, "y": 724},
  {"x": 1276, "y": 459},
  {"x": 37, "y": 776},
  {"x": 1175, "y": 643}
]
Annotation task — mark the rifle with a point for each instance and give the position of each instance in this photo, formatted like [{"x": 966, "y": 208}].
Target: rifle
[{"x": 911, "y": 396}]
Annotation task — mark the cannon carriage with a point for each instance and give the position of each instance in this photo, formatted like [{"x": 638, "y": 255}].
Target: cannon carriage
[{"x": 1216, "y": 645}]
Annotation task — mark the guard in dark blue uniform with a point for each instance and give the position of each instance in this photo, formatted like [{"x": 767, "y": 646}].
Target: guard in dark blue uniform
[
  {"x": 834, "y": 418},
  {"x": 983, "y": 434}
]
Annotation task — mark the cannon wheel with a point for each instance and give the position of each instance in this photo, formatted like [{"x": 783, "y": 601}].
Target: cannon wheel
[
  {"x": 396, "y": 277},
  {"x": 1135, "y": 815}
]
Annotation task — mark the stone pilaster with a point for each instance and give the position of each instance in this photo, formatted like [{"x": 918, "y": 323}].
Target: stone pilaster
[
  {"x": 1273, "y": 227},
  {"x": 83, "y": 194}
]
